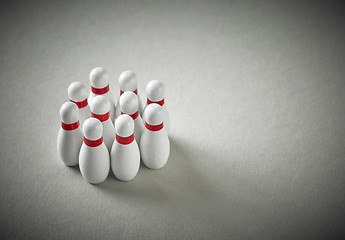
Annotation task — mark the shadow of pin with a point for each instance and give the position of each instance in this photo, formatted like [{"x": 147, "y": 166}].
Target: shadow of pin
[
  {"x": 180, "y": 181},
  {"x": 75, "y": 169},
  {"x": 190, "y": 176}
]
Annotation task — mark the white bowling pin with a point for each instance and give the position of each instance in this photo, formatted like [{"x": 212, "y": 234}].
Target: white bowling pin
[
  {"x": 154, "y": 142},
  {"x": 94, "y": 160},
  {"x": 77, "y": 94},
  {"x": 128, "y": 82},
  {"x": 125, "y": 156},
  {"x": 99, "y": 80},
  {"x": 70, "y": 136},
  {"x": 129, "y": 105},
  {"x": 155, "y": 94},
  {"x": 100, "y": 107}
]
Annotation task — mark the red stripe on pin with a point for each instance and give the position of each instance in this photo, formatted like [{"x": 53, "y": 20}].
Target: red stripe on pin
[
  {"x": 161, "y": 102},
  {"x": 100, "y": 91},
  {"x": 69, "y": 127},
  {"x": 81, "y": 104},
  {"x": 154, "y": 128},
  {"x": 93, "y": 143},
  {"x": 125, "y": 140},
  {"x": 135, "y": 91},
  {"x": 100, "y": 117},
  {"x": 133, "y": 116}
]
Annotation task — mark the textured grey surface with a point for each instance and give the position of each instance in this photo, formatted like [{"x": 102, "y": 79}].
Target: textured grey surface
[{"x": 255, "y": 91}]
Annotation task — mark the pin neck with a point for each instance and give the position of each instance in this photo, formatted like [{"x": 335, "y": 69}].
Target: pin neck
[
  {"x": 133, "y": 116},
  {"x": 81, "y": 104},
  {"x": 100, "y": 91},
  {"x": 161, "y": 102},
  {"x": 70, "y": 127},
  {"x": 135, "y": 91},
  {"x": 153, "y": 128},
  {"x": 125, "y": 140},
  {"x": 93, "y": 143},
  {"x": 101, "y": 117}
]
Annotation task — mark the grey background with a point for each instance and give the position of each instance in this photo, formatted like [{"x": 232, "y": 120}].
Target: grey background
[{"x": 255, "y": 90}]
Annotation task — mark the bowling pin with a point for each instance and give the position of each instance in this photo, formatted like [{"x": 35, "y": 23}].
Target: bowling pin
[
  {"x": 94, "y": 160},
  {"x": 77, "y": 94},
  {"x": 154, "y": 142},
  {"x": 70, "y": 136},
  {"x": 155, "y": 94},
  {"x": 129, "y": 105},
  {"x": 100, "y": 107},
  {"x": 99, "y": 80},
  {"x": 125, "y": 156},
  {"x": 128, "y": 82}
]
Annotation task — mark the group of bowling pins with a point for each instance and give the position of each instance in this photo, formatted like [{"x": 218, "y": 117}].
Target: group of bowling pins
[{"x": 113, "y": 135}]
